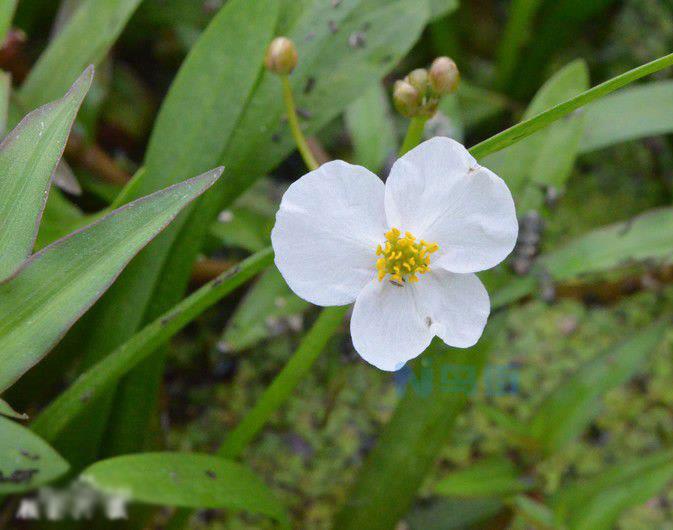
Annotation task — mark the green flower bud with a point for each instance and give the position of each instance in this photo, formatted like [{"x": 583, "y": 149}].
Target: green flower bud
[
  {"x": 406, "y": 98},
  {"x": 444, "y": 76},
  {"x": 281, "y": 56},
  {"x": 419, "y": 80}
]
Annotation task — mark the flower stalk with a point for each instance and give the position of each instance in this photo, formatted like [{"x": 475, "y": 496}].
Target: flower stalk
[
  {"x": 414, "y": 134},
  {"x": 295, "y": 128}
]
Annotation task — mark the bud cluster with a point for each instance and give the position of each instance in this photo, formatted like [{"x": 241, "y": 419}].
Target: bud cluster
[{"x": 418, "y": 94}]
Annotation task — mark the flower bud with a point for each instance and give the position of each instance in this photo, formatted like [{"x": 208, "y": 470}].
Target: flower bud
[
  {"x": 444, "y": 76},
  {"x": 419, "y": 80},
  {"x": 281, "y": 56},
  {"x": 406, "y": 98}
]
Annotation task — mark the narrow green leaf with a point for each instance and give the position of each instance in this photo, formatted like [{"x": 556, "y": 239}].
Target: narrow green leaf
[
  {"x": 567, "y": 411},
  {"x": 596, "y": 504},
  {"x": 7, "y": 410},
  {"x": 452, "y": 514},
  {"x": 637, "y": 112},
  {"x": 518, "y": 32},
  {"x": 26, "y": 461},
  {"x": 646, "y": 237},
  {"x": 535, "y": 513},
  {"x": 85, "y": 39},
  {"x": 58, "y": 284},
  {"x": 529, "y": 126},
  {"x": 409, "y": 444},
  {"x": 371, "y": 128},
  {"x": 99, "y": 378},
  {"x": 267, "y": 303},
  {"x": 5, "y": 92},
  {"x": 493, "y": 477},
  {"x": 185, "y": 480},
  {"x": 7, "y": 9},
  {"x": 28, "y": 157}
]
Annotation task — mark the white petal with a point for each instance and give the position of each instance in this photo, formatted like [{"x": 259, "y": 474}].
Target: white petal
[
  {"x": 439, "y": 193},
  {"x": 455, "y": 306},
  {"x": 327, "y": 229},
  {"x": 386, "y": 327}
]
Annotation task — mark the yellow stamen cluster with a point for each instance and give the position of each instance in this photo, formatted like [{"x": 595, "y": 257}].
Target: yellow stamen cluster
[{"x": 403, "y": 257}]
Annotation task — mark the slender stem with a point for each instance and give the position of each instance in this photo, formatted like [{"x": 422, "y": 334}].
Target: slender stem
[
  {"x": 298, "y": 136},
  {"x": 285, "y": 382},
  {"x": 528, "y": 127},
  {"x": 414, "y": 134}
]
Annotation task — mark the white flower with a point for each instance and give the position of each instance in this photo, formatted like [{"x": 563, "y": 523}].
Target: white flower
[{"x": 404, "y": 252}]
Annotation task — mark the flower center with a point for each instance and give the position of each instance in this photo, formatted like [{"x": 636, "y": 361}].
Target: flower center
[{"x": 403, "y": 257}]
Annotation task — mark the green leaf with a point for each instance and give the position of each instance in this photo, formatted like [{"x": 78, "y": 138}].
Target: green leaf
[
  {"x": 185, "y": 480},
  {"x": 596, "y": 504},
  {"x": 546, "y": 157},
  {"x": 86, "y": 39},
  {"x": 6, "y": 15},
  {"x": 5, "y": 92},
  {"x": 567, "y": 411},
  {"x": 646, "y": 237},
  {"x": 99, "y": 378},
  {"x": 269, "y": 301},
  {"x": 640, "y": 111},
  {"x": 452, "y": 514},
  {"x": 371, "y": 128},
  {"x": 492, "y": 477},
  {"x": 26, "y": 461},
  {"x": 529, "y": 126},
  {"x": 193, "y": 127},
  {"x": 57, "y": 285},
  {"x": 28, "y": 157},
  {"x": 442, "y": 8},
  {"x": 409, "y": 444},
  {"x": 534, "y": 513},
  {"x": 7, "y": 410}
]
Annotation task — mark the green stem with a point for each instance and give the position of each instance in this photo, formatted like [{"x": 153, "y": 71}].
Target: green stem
[
  {"x": 285, "y": 382},
  {"x": 292, "y": 119},
  {"x": 414, "y": 134},
  {"x": 528, "y": 127}
]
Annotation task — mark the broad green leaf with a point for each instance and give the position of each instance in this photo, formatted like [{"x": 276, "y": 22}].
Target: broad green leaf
[
  {"x": 61, "y": 411},
  {"x": 58, "y": 284},
  {"x": 516, "y": 432},
  {"x": 540, "y": 121},
  {"x": 645, "y": 238},
  {"x": 26, "y": 461},
  {"x": 441, "y": 8},
  {"x": 7, "y": 410},
  {"x": 269, "y": 301},
  {"x": 565, "y": 414},
  {"x": 493, "y": 477},
  {"x": 85, "y": 39},
  {"x": 595, "y": 504},
  {"x": 7, "y": 9},
  {"x": 409, "y": 444},
  {"x": 476, "y": 104},
  {"x": 5, "y": 92},
  {"x": 28, "y": 157},
  {"x": 371, "y": 128},
  {"x": 185, "y": 480},
  {"x": 643, "y": 110},
  {"x": 193, "y": 127},
  {"x": 546, "y": 157}
]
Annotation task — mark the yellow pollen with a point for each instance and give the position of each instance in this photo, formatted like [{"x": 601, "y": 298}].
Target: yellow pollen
[{"x": 403, "y": 258}]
